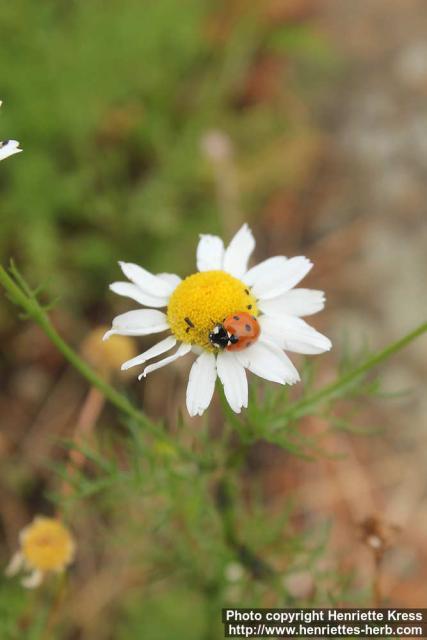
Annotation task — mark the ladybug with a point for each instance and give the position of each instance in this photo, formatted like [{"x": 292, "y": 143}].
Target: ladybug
[{"x": 235, "y": 332}]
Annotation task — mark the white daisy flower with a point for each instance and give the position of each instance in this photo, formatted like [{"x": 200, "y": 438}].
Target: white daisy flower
[
  {"x": 8, "y": 147},
  {"x": 233, "y": 318}
]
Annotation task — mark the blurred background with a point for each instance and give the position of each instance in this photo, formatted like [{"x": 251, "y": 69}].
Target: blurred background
[{"x": 146, "y": 123}]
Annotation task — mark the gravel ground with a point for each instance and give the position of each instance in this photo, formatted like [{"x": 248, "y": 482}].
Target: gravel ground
[{"x": 374, "y": 209}]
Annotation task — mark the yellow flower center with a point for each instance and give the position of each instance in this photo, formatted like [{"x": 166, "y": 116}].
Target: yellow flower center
[
  {"x": 47, "y": 545},
  {"x": 204, "y": 299}
]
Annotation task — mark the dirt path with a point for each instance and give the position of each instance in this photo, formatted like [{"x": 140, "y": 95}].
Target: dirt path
[{"x": 376, "y": 122}]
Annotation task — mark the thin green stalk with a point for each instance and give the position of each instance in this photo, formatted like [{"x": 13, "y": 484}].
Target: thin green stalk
[
  {"x": 226, "y": 506},
  {"x": 331, "y": 389},
  {"x": 36, "y": 312},
  {"x": 225, "y": 501},
  {"x": 24, "y": 298}
]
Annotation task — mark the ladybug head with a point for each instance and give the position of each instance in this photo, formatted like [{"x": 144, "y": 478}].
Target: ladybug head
[{"x": 219, "y": 337}]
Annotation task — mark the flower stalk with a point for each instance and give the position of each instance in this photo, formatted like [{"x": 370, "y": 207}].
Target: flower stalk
[
  {"x": 21, "y": 295},
  {"x": 329, "y": 391}
]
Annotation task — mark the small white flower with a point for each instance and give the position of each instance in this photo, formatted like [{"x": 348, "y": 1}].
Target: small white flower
[
  {"x": 202, "y": 309},
  {"x": 8, "y": 147}
]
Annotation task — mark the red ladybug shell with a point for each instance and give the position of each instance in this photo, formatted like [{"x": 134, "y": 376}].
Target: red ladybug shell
[{"x": 244, "y": 327}]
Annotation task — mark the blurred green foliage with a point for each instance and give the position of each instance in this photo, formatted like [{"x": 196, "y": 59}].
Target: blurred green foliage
[{"x": 110, "y": 101}]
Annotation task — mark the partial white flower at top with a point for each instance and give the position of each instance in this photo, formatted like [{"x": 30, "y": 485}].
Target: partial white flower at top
[
  {"x": 8, "y": 147},
  {"x": 232, "y": 317}
]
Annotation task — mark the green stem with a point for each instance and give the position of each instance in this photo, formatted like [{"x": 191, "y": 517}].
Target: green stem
[
  {"x": 225, "y": 505},
  {"x": 32, "y": 307},
  {"x": 329, "y": 390},
  {"x": 225, "y": 501},
  {"x": 36, "y": 312},
  {"x": 55, "y": 606}
]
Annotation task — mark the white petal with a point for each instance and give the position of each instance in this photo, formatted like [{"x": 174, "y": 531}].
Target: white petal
[
  {"x": 233, "y": 376},
  {"x": 268, "y": 361},
  {"x": 146, "y": 281},
  {"x": 264, "y": 270},
  {"x": 33, "y": 580},
  {"x": 296, "y": 302},
  {"x": 196, "y": 349},
  {"x": 25, "y": 530},
  {"x": 170, "y": 278},
  {"x": 270, "y": 283},
  {"x": 238, "y": 252},
  {"x": 156, "y": 350},
  {"x": 182, "y": 350},
  {"x": 294, "y": 334},
  {"x": 8, "y": 148},
  {"x": 201, "y": 384},
  {"x": 15, "y": 565},
  {"x": 140, "y": 322},
  {"x": 210, "y": 253},
  {"x": 132, "y": 291}
]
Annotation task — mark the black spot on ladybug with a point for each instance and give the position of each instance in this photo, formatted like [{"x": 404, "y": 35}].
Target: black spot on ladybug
[
  {"x": 248, "y": 344},
  {"x": 247, "y": 291},
  {"x": 187, "y": 330},
  {"x": 248, "y": 327},
  {"x": 188, "y": 321},
  {"x": 236, "y": 317},
  {"x": 249, "y": 306}
]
